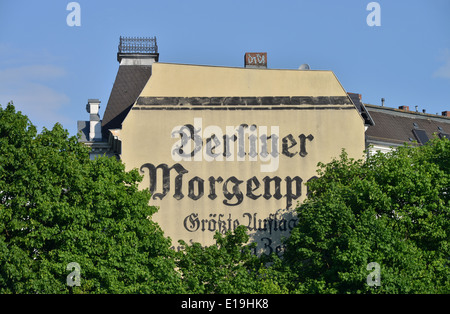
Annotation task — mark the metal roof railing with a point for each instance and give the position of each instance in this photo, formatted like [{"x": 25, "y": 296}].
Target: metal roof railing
[{"x": 138, "y": 45}]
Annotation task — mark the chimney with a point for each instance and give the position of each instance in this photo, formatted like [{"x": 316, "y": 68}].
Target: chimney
[
  {"x": 406, "y": 108},
  {"x": 424, "y": 111},
  {"x": 446, "y": 113},
  {"x": 95, "y": 125},
  {"x": 382, "y": 102},
  {"x": 137, "y": 51},
  {"x": 255, "y": 60}
]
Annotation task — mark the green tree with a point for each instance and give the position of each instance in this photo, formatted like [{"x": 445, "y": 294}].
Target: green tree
[
  {"x": 57, "y": 206},
  {"x": 392, "y": 209},
  {"x": 228, "y": 267}
]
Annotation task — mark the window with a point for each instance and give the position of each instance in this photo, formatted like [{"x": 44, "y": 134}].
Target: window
[{"x": 421, "y": 136}]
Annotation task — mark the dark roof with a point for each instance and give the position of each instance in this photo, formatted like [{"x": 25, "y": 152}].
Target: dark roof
[
  {"x": 83, "y": 127},
  {"x": 397, "y": 126},
  {"x": 130, "y": 81},
  {"x": 356, "y": 99}
]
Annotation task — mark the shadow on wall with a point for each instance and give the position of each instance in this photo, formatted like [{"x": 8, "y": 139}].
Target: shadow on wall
[{"x": 269, "y": 232}]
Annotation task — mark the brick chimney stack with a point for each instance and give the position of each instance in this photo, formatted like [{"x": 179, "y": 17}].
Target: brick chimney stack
[{"x": 255, "y": 60}]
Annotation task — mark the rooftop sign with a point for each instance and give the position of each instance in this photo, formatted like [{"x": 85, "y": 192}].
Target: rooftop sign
[{"x": 255, "y": 60}]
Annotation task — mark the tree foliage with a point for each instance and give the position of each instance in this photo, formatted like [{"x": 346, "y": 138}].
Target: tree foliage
[
  {"x": 228, "y": 267},
  {"x": 392, "y": 209},
  {"x": 57, "y": 206}
]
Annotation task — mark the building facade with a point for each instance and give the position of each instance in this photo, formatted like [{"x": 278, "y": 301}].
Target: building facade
[
  {"x": 221, "y": 146},
  {"x": 395, "y": 126}
]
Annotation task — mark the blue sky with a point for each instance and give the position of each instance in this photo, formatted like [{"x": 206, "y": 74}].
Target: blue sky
[{"x": 50, "y": 69}]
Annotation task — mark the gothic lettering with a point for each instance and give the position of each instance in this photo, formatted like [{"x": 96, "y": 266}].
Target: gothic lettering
[
  {"x": 253, "y": 181},
  {"x": 291, "y": 188},
  {"x": 236, "y": 192},
  {"x": 166, "y": 179},
  {"x": 298, "y": 189},
  {"x": 253, "y": 222},
  {"x": 277, "y": 194},
  {"x": 303, "y": 139},
  {"x": 200, "y": 187},
  {"x": 286, "y": 148},
  {"x": 212, "y": 186}
]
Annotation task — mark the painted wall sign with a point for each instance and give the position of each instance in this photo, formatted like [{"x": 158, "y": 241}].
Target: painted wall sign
[{"x": 213, "y": 163}]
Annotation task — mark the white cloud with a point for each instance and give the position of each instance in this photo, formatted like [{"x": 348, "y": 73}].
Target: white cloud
[{"x": 444, "y": 70}]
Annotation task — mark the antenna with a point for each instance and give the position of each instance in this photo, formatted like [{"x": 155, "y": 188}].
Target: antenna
[{"x": 304, "y": 66}]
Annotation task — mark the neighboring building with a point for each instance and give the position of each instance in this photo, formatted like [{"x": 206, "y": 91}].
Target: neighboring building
[
  {"x": 223, "y": 146},
  {"x": 394, "y": 127},
  {"x": 388, "y": 128},
  {"x": 91, "y": 132}
]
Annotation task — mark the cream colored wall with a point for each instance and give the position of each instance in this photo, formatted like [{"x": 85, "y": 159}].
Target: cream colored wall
[
  {"x": 146, "y": 138},
  {"x": 177, "y": 80}
]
